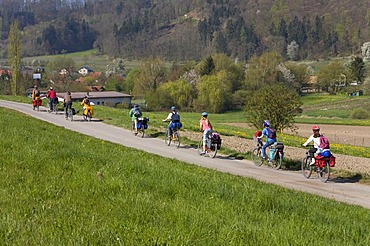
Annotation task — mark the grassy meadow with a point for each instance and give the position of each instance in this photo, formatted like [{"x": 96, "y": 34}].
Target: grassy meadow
[{"x": 63, "y": 188}]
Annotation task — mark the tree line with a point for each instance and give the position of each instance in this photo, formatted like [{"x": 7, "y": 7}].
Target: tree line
[{"x": 188, "y": 29}]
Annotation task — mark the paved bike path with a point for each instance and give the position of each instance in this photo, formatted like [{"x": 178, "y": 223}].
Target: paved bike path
[{"x": 352, "y": 193}]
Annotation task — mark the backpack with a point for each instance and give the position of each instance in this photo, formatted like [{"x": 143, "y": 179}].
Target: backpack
[
  {"x": 136, "y": 112},
  {"x": 271, "y": 132},
  {"x": 324, "y": 142},
  {"x": 37, "y": 93},
  {"x": 175, "y": 117}
]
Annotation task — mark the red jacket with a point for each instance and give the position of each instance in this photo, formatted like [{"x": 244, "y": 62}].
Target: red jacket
[{"x": 51, "y": 94}]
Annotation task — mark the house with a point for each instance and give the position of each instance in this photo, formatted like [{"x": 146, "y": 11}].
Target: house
[
  {"x": 85, "y": 70},
  {"x": 105, "y": 98}
]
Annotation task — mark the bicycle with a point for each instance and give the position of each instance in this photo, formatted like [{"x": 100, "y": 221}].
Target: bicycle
[
  {"x": 87, "y": 113},
  {"x": 275, "y": 158},
  {"x": 174, "y": 137},
  {"x": 210, "y": 148},
  {"x": 70, "y": 114},
  {"x": 322, "y": 166},
  {"x": 142, "y": 124},
  {"x": 55, "y": 108}
]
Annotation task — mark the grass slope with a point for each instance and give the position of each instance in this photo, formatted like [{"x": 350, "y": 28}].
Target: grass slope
[{"x": 58, "y": 187}]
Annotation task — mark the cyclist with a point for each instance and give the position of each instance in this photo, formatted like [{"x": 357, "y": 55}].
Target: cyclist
[
  {"x": 270, "y": 134},
  {"x": 86, "y": 106},
  {"x": 205, "y": 126},
  {"x": 35, "y": 96},
  {"x": 67, "y": 102},
  {"x": 174, "y": 119},
  {"x": 134, "y": 114},
  {"x": 53, "y": 100},
  {"x": 317, "y": 148}
]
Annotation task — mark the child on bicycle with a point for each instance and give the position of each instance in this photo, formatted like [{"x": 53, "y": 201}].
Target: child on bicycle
[
  {"x": 205, "y": 126},
  {"x": 270, "y": 137},
  {"x": 317, "y": 145}
]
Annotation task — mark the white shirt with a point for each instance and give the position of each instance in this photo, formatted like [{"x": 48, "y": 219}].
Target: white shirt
[{"x": 316, "y": 143}]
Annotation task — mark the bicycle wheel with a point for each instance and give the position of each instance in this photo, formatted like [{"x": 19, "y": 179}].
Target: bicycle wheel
[
  {"x": 212, "y": 151},
  {"x": 88, "y": 116},
  {"x": 133, "y": 130},
  {"x": 257, "y": 156},
  {"x": 55, "y": 108},
  {"x": 167, "y": 139},
  {"x": 176, "y": 139},
  {"x": 141, "y": 131},
  {"x": 276, "y": 162},
  {"x": 306, "y": 167},
  {"x": 200, "y": 146},
  {"x": 70, "y": 114},
  {"x": 324, "y": 173}
]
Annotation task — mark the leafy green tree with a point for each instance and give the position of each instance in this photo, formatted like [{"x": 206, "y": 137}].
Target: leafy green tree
[
  {"x": 301, "y": 75},
  {"x": 214, "y": 92},
  {"x": 130, "y": 80},
  {"x": 179, "y": 93},
  {"x": 357, "y": 69},
  {"x": 150, "y": 76},
  {"x": 329, "y": 76},
  {"x": 115, "y": 83},
  {"x": 61, "y": 62},
  {"x": 279, "y": 109},
  {"x": 234, "y": 71},
  {"x": 263, "y": 70},
  {"x": 14, "y": 56}
]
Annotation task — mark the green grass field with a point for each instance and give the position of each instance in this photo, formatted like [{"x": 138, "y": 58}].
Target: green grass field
[{"x": 62, "y": 188}]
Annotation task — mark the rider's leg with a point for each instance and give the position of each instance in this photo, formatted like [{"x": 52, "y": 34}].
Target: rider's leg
[
  {"x": 268, "y": 143},
  {"x": 169, "y": 130},
  {"x": 135, "y": 125},
  {"x": 206, "y": 134},
  {"x": 312, "y": 152}
]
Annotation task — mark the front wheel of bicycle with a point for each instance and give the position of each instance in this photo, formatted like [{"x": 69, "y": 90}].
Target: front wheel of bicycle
[
  {"x": 257, "y": 156},
  {"x": 167, "y": 139},
  {"x": 324, "y": 173},
  {"x": 176, "y": 139},
  {"x": 70, "y": 114},
  {"x": 276, "y": 162},
  {"x": 306, "y": 167},
  {"x": 200, "y": 146}
]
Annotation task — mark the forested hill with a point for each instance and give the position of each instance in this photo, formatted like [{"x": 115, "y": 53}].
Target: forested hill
[{"x": 189, "y": 29}]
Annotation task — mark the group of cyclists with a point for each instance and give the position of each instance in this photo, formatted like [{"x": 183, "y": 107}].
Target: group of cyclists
[
  {"x": 53, "y": 101},
  {"x": 319, "y": 146},
  {"x": 205, "y": 125},
  {"x": 174, "y": 120}
]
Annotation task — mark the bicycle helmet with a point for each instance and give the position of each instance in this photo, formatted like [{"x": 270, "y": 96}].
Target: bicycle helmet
[
  {"x": 136, "y": 105},
  {"x": 205, "y": 114},
  {"x": 315, "y": 128},
  {"x": 266, "y": 123},
  {"x": 173, "y": 108}
]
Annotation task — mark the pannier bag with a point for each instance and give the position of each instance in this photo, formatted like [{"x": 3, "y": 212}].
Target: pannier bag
[
  {"x": 320, "y": 161},
  {"x": 272, "y": 153},
  {"x": 332, "y": 161},
  {"x": 176, "y": 125},
  {"x": 142, "y": 122},
  {"x": 216, "y": 139}
]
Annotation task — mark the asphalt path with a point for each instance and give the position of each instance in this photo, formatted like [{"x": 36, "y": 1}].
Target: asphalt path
[{"x": 348, "y": 192}]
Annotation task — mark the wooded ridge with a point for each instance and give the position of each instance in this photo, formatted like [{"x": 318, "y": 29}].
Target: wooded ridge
[{"x": 188, "y": 29}]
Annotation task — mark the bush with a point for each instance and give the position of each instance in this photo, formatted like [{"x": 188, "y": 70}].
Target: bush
[{"x": 360, "y": 114}]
